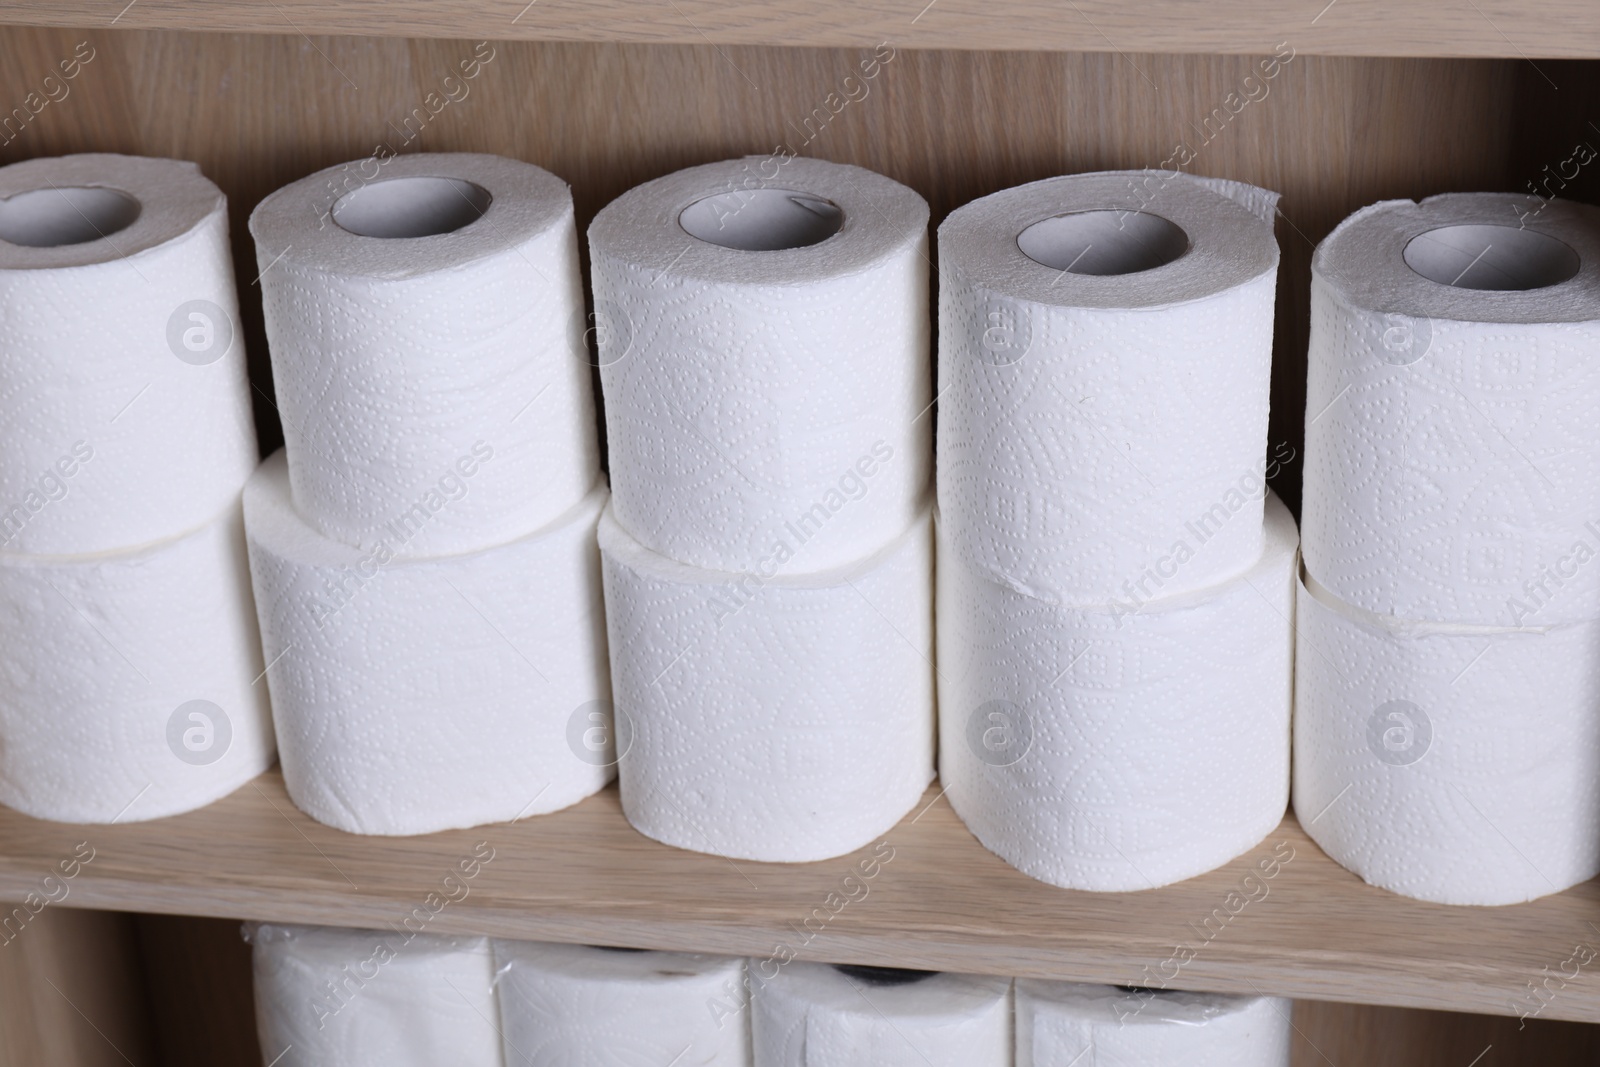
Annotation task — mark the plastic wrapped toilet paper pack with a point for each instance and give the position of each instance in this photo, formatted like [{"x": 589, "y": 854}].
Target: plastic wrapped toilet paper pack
[
  {"x": 420, "y": 695},
  {"x": 566, "y": 1005},
  {"x": 764, "y": 360},
  {"x": 373, "y": 998},
  {"x": 1456, "y": 764},
  {"x": 1105, "y": 358},
  {"x": 816, "y": 1015},
  {"x": 427, "y": 345},
  {"x": 771, "y": 716},
  {"x": 122, "y": 362},
  {"x": 1061, "y": 1023},
  {"x": 1452, "y": 453},
  {"x": 1124, "y": 747},
  {"x": 129, "y": 681}
]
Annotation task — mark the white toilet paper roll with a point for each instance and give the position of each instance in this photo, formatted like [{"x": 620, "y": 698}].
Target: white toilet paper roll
[
  {"x": 416, "y": 317},
  {"x": 129, "y": 681},
  {"x": 121, "y": 356},
  {"x": 414, "y": 695},
  {"x": 1455, "y": 764},
  {"x": 1452, "y": 453},
  {"x": 772, "y": 716},
  {"x": 764, "y": 359},
  {"x": 815, "y": 1015},
  {"x": 373, "y": 998},
  {"x": 1060, "y": 1023},
  {"x": 565, "y": 1005},
  {"x": 1105, "y": 352},
  {"x": 1123, "y": 747}
]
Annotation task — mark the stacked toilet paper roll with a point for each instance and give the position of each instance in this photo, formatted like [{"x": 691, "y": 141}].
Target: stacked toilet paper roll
[
  {"x": 578, "y": 1004},
  {"x": 423, "y": 552},
  {"x": 1452, "y": 517},
  {"x": 373, "y": 998},
  {"x": 1115, "y": 584},
  {"x": 767, "y": 552},
  {"x": 1060, "y": 1023},
  {"x": 816, "y": 1015},
  {"x": 128, "y": 646}
]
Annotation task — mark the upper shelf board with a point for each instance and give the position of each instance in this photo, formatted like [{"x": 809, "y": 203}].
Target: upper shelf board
[
  {"x": 1283, "y": 919},
  {"x": 1499, "y": 28}
]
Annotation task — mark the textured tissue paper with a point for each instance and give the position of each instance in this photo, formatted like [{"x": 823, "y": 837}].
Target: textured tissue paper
[
  {"x": 414, "y": 695},
  {"x": 1458, "y": 764},
  {"x": 815, "y": 1015},
  {"x": 1104, "y": 361},
  {"x": 1120, "y": 747},
  {"x": 786, "y": 717},
  {"x": 122, "y": 363},
  {"x": 129, "y": 680},
  {"x": 427, "y": 317},
  {"x": 1060, "y": 1024},
  {"x": 329, "y": 997},
  {"x": 1452, "y": 449},
  {"x": 583, "y": 1006},
  {"x": 764, "y": 361}
]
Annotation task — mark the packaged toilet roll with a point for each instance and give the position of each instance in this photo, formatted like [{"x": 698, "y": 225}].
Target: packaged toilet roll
[
  {"x": 1452, "y": 453},
  {"x": 414, "y": 695},
  {"x": 1105, "y": 354},
  {"x": 122, "y": 362},
  {"x": 1456, "y": 764},
  {"x": 373, "y": 998},
  {"x": 130, "y": 681},
  {"x": 421, "y": 318},
  {"x": 816, "y": 1015},
  {"x": 764, "y": 359},
  {"x": 566, "y": 1005},
  {"x": 1061, "y": 1023},
  {"x": 772, "y": 716},
  {"x": 1122, "y": 747}
]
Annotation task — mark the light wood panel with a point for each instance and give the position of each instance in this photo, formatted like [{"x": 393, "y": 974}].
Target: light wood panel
[
  {"x": 1556, "y": 28},
  {"x": 1331, "y": 134},
  {"x": 1348, "y": 1035},
  {"x": 934, "y": 898},
  {"x": 71, "y": 992}
]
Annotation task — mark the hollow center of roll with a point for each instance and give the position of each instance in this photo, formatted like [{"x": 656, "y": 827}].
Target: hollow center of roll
[
  {"x": 1104, "y": 242},
  {"x": 47, "y": 218},
  {"x": 882, "y": 976},
  {"x": 762, "y": 220},
  {"x": 1503, "y": 258},
  {"x": 411, "y": 207}
]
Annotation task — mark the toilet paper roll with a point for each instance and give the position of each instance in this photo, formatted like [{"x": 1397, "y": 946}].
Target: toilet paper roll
[
  {"x": 1105, "y": 352},
  {"x": 420, "y": 695},
  {"x": 1452, "y": 454},
  {"x": 122, "y": 365},
  {"x": 1122, "y": 747},
  {"x": 771, "y": 716},
  {"x": 129, "y": 681},
  {"x": 373, "y": 998},
  {"x": 421, "y": 318},
  {"x": 1060, "y": 1023},
  {"x": 815, "y": 1015},
  {"x": 1455, "y": 764},
  {"x": 764, "y": 359},
  {"x": 565, "y": 1005}
]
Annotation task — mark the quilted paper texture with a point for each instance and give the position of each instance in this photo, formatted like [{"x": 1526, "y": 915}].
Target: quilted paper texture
[
  {"x": 1453, "y": 468},
  {"x": 1060, "y": 1023},
  {"x": 1457, "y": 767},
  {"x": 1118, "y": 748},
  {"x": 787, "y": 719}
]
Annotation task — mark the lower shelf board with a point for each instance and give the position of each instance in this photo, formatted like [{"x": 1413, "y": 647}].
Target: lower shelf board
[{"x": 1282, "y": 919}]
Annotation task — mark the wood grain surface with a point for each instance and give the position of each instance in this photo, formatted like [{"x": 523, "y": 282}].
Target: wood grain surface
[
  {"x": 1556, "y": 28},
  {"x": 926, "y": 895}
]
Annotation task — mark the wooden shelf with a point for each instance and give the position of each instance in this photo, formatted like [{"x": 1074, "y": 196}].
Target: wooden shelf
[
  {"x": 1556, "y": 29},
  {"x": 941, "y": 901}
]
